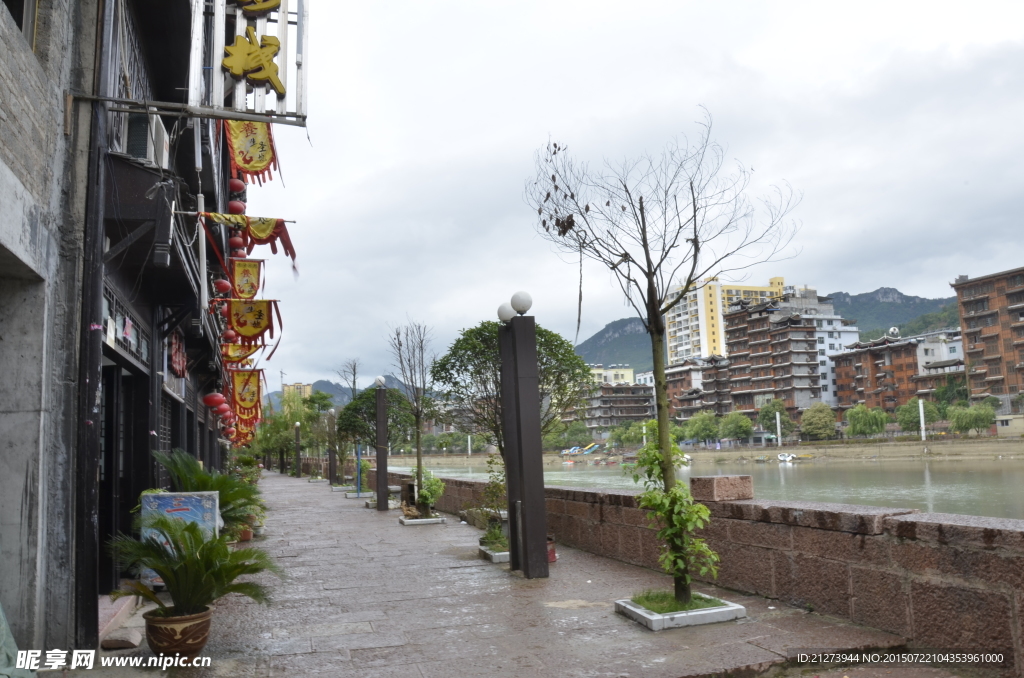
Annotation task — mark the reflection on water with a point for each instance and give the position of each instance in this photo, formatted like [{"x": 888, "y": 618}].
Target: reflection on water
[{"x": 974, "y": 487}]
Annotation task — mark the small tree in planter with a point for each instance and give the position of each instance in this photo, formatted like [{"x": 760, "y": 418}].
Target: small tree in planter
[
  {"x": 676, "y": 516},
  {"x": 430, "y": 492}
]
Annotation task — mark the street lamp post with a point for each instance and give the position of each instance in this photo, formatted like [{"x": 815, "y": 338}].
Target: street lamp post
[
  {"x": 520, "y": 413},
  {"x": 382, "y": 445},
  {"x": 298, "y": 458}
]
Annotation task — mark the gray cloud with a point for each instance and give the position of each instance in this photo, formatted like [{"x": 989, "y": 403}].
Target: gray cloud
[{"x": 409, "y": 201}]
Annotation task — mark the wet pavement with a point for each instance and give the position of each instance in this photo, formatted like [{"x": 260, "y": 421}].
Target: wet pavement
[{"x": 365, "y": 596}]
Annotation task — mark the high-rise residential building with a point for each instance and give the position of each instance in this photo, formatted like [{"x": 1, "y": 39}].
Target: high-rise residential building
[
  {"x": 304, "y": 390},
  {"x": 890, "y": 370},
  {"x": 610, "y": 405},
  {"x": 783, "y": 349},
  {"x": 992, "y": 320},
  {"x": 696, "y": 326},
  {"x": 611, "y": 374}
]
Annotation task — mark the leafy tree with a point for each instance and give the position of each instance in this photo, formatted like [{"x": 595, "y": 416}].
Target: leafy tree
[
  {"x": 661, "y": 224},
  {"x": 736, "y": 425},
  {"x": 467, "y": 378},
  {"x": 702, "y": 426},
  {"x": 766, "y": 417},
  {"x": 357, "y": 421},
  {"x": 864, "y": 422},
  {"x": 954, "y": 390},
  {"x": 318, "y": 402},
  {"x": 977, "y": 418},
  {"x": 575, "y": 434},
  {"x": 909, "y": 416},
  {"x": 630, "y": 433},
  {"x": 819, "y": 421},
  {"x": 992, "y": 402}
]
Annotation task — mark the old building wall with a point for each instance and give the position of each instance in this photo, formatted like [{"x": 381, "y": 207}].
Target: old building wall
[{"x": 43, "y": 177}]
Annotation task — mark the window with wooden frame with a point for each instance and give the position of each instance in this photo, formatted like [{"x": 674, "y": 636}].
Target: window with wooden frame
[{"x": 24, "y": 15}]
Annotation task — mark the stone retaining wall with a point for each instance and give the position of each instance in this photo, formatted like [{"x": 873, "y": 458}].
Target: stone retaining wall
[{"x": 939, "y": 580}]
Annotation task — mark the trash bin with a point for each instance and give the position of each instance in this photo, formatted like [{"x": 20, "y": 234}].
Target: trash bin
[{"x": 552, "y": 556}]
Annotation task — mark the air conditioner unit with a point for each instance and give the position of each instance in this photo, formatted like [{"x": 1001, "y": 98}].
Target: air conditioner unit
[{"x": 146, "y": 138}]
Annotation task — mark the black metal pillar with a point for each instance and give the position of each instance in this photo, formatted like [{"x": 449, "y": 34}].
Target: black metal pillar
[
  {"x": 510, "y": 441},
  {"x": 298, "y": 449},
  {"x": 382, "y": 448},
  {"x": 332, "y": 467},
  {"x": 280, "y": 461}
]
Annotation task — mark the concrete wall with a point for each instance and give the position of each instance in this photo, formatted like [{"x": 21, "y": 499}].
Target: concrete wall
[
  {"x": 42, "y": 201},
  {"x": 939, "y": 580}
]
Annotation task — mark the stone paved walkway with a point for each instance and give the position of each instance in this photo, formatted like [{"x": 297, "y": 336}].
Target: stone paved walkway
[{"x": 367, "y": 597}]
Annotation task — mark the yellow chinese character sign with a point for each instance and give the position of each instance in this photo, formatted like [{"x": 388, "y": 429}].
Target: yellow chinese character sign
[
  {"x": 253, "y": 8},
  {"x": 245, "y": 391},
  {"x": 237, "y": 354},
  {"x": 252, "y": 150},
  {"x": 251, "y": 318},
  {"x": 245, "y": 276},
  {"x": 254, "y": 60},
  {"x": 257, "y": 231}
]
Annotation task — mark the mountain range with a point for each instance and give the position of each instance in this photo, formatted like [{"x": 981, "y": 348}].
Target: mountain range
[
  {"x": 626, "y": 341},
  {"x": 340, "y": 395}
]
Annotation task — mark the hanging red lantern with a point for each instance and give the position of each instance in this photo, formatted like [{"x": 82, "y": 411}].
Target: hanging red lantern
[
  {"x": 236, "y": 242},
  {"x": 214, "y": 399},
  {"x": 224, "y": 310},
  {"x": 229, "y": 432},
  {"x": 223, "y": 408},
  {"x": 238, "y": 254},
  {"x": 236, "y": 185},
  {"x": 236, "y": 207},
  {"x": 222, "y": 285},
  {"x": 229, "y": 335}
]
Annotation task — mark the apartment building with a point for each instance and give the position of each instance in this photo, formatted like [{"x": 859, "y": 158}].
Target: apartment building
[
  {"x": 304, "y": 390},
  {"x": 646, "y": 378},
  {"x": 610, "y": 405},
  {"x": 697, "y": 385},
  {"x": 784, "y": 349},
  {"x": 889, "y": 371},
  {"x": 696, "y": 325},
  {"x": 992, "y": 319},
  {"x": 612, "y": 374}
]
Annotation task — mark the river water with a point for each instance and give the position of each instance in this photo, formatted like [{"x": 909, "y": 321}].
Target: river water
[{"x": 974, "y": 487}]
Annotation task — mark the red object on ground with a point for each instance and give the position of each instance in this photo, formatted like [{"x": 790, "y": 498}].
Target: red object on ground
[
  {"x": 236, "y": 207},
  {"x": 236, "y": 185},
  {"x": 552, "y": 556}
]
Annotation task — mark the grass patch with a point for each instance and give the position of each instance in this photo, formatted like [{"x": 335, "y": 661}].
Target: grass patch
[{"x": 664, "y": 602}]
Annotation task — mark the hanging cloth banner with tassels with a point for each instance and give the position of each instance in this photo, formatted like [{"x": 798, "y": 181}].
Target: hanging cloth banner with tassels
[
  {"x": 251, "y": 318},
  {"x": 235, "y": 354},
  {"x": 245, "y": 277},
  {"x": 245, "y": 393},
  {"x": 257, "y": 231},
  {"x": 252, "y": 150}
]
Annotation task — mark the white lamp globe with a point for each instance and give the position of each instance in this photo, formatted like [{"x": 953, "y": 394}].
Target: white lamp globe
[
  {"x": 521, "y": 302},
  {"x": 379, "y": 381},
  {"x": 297, "y": 424},
  {"x": 506, "y": 312}
]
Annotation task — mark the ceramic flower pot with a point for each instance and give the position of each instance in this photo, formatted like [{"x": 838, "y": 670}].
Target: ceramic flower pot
[
  {"x": 245, "y": 534},
  {"x": 186, "y": 635}
]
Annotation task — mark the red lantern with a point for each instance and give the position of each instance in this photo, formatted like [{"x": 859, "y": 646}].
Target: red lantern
[
  {"x": 229, "y": 335},
  {"x": 236, "y": 207},
  {"x": 214, "y": 399},
  {"x": 222, "y": 409},
  {"x": 238, "y": 254},
  {"x": 222, "y": 285},
  {"x": 236, "y": 242},
  {"x": 236, "y": 185},
  {"x": 224, "y": 310},
  {"x": 229, "y": 432}
]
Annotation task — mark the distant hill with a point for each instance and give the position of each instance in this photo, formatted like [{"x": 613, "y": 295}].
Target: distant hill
[
  {"x": 887, "y": 307},
  {"x": 621, "y": 341},
  {"x": 340, "y": 395}
]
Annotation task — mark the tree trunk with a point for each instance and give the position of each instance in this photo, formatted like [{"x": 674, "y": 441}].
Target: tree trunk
[
  {"x": 424, "y": 510},
  {"x": 682, "y": 590},
  {"x": 657, "y": 331}
]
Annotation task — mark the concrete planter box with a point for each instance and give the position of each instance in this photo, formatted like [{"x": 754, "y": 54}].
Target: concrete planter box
[
  {"x": 659, "y": 622},
  {"x": 422, "y": 521},
  {"x": 344, "y": 488},
  {"x": 494, "y": 556},
  {"x": 316, "y": 480},
  {"x": 360, "y": 495},
  {"x": 392, "y": 504}
]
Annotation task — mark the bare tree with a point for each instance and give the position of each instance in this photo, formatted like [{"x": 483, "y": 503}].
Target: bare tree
[
  {"x": 662, "y": 225},
  {"x": 349, "y": 373},
  {"x": 409, "y": 346}
]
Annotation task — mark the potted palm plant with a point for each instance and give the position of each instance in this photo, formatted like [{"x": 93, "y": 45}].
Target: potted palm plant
[{"x": 197, "y": 570}]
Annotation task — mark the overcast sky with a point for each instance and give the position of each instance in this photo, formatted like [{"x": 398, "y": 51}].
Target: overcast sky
[{"x": 899, "y": 123}]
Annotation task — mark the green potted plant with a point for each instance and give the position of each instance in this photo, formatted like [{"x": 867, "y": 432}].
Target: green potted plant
[
  {"x": 238, "y": 498},
  {"x": 197, "y": 569},
  {"x": 433, "y": 488}
]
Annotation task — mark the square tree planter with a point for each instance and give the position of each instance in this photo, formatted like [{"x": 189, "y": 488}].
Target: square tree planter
[
  {"x": 422, "y": 521},
  {"x": 493, "y": 556},
  {"x": 657, "y": 622}
]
